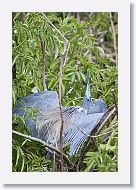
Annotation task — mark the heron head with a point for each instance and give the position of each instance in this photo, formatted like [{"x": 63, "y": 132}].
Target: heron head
[
  {"x": 97, "y": 106},
  {"x": 100, "y": 106}
]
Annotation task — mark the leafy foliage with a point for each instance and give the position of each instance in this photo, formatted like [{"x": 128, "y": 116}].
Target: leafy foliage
[
  {"x": 105, "y": 158},
  {"x": 29, "y": 156},
  {"x": 91, "y": 47}
]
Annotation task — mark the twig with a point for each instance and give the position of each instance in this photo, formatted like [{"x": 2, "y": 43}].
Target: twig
[
  {"x": 44, "y": 144},
  {"x": 112, "y": 91},
  {"x": 54, "y": 26},
  {"x": 63, "y": 61},
  {"x": 91, "y": 136},
  {"x": 43, "y": 60},
  {"x": 114, "y": 39},
  {"x": 59, "y": 95},
  {"x": 99, "y": 126},
  {"x": 66, "y": 42},
  {"x": 103, "y": 118},
  {"x": 54, "y": 160},
  {"x": 61, "y": 137},
  {"x": 106, "y": 119},
  {"x": 14, "y": 71},
  {"x": 66, "y": 50}
]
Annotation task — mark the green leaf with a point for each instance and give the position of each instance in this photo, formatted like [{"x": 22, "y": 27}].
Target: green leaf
[{"x": 14, "y": 60}]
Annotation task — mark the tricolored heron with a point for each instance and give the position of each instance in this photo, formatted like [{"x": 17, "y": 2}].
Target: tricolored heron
[{"x": 79, "y": 121}]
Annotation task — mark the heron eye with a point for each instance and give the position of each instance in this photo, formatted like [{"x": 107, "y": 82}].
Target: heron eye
[{"x": 88, "y": 100}]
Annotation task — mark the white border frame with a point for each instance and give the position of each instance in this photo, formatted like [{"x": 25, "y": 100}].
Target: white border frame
[{"x": 123, "y": 174}]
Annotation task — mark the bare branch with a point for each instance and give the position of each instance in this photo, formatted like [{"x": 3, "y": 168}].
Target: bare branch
[
  {"x": 106, "y": 119},
  {"x": 66, "y": 49},
  {"x": 43, "y": 60},
  {"x": 54, "y": 27},
  {"x": 103, "y": 117},
  {"x": 63, "y": 59},
  {"x": 91, "y": 136},
  {"x": 114, "y": 39},
  {"x": 44, "y": 144},
  {"x": 112, "y": 91},
  {"x": 62, "y": 63},
  {"x": 66, "y": 42},
  {"x": 98, "y": 128},
  {"x": 14, "y": 71}
]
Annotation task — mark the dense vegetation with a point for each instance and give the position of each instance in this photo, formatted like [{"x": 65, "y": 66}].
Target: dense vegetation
[{"x": 93, "y": 45}]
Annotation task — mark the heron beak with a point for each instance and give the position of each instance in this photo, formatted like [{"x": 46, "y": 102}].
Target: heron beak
[{"x": 88, "y": 86}]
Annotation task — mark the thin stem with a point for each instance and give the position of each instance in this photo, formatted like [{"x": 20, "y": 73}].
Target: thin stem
[
  {"x": 63, "y": 61},
  {"x": 66, "y": 42},
  {"x": 112, "y": 91},
  {"x": 60, "y": 106},
  {"x": 114, "y": 39},
  {"x": 92, "y": 136},
  {"x": 54, "y": 160},
  {"x": 106, "y": 119},
  {"x": 43, "y": 61},
  {"x": 103, "y": 118},
  {"x": 99, "y": 126},
  {"x": 54, "y": 26}
]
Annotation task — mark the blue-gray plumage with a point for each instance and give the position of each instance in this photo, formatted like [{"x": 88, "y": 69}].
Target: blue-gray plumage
[
  {"x": 77, "y": 126},
  {"x": 79, "y": 121},
  {"x": 41, "y": 101},
  {"x": 97, "y": 106}
]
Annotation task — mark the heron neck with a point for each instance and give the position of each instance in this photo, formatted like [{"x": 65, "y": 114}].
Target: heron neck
[{"x": 88, "y": 91}]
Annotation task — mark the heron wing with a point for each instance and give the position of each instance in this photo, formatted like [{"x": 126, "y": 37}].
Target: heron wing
[
  {"x": 48, "y": 126},
  {"x": 41, "y": 101},
  {"x": 79, "y": 130}
]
